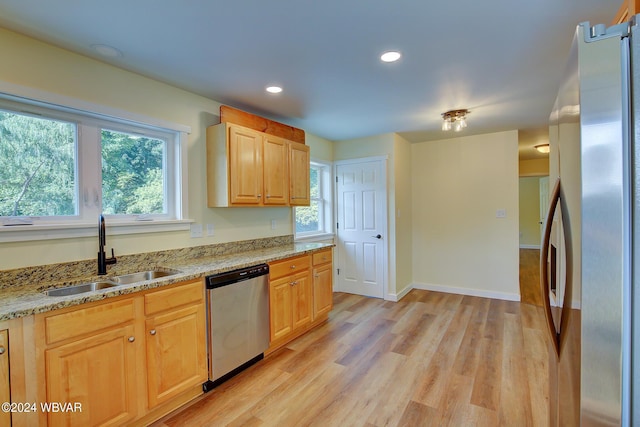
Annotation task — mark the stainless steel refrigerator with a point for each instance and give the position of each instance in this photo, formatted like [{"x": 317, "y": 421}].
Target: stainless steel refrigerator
[{"x": 590, "y": 245}]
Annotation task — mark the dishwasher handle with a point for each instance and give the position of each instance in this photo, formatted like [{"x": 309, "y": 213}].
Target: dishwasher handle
[{"x": 235, "y": 276}]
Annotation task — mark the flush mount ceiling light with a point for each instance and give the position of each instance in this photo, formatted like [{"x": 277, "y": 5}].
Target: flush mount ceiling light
[
  {"x": 274, "y": 89},
  {"x": 543, "y": 148},
  {"x": 390, "y": 56},
  {"x": 108, "y": 51},
  {"x": 454, "y": 119}
]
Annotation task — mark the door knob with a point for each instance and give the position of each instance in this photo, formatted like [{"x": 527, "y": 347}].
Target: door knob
[{"x": 377, "y": 236}]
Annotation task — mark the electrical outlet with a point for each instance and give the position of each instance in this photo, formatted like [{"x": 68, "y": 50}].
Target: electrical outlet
[
  {"x": 196, "y": 230},
  {"x": 501, "y": 213},
  {"x": 209, "y": 230},
  {"x": 273, "y": 224}
]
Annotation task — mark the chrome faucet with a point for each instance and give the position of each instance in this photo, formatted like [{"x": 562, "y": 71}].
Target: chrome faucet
[{"x": 103, "y": 261}]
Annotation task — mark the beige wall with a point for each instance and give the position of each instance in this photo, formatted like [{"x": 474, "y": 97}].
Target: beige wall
[
  {"x": 458, "y": 243},
  {"x": 534, "y": 167},
  {"x": 44, "y": 67},
  {"x": 403, "y": 215},
  {"x": 529, "y": 196}
]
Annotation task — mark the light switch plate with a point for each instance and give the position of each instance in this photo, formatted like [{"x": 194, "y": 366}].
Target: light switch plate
[
  {"x": 209, "y": 230},
  {"x": 501, "y": 213},
  {"x": 273, "y": 224}
]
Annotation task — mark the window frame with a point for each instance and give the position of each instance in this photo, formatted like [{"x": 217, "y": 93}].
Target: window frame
[
  {"x": 325, "y": 204},
  {"x": 90, "y": 119}
]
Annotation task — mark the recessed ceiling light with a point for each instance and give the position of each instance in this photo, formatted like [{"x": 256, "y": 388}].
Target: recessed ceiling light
[
  {"x": 274, "y": 89},
  {"x": 108, "y": 51},
  {"x": 390, "y": 56}
]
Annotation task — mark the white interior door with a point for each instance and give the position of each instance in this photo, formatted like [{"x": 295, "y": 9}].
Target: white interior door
[{"x": 361, "y": 194}]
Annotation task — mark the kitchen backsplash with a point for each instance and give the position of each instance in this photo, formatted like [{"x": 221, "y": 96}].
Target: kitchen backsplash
[{"x": 127, "y": 263}]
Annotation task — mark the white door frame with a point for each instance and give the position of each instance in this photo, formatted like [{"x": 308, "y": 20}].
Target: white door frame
[{"x": 385, "y": 247}]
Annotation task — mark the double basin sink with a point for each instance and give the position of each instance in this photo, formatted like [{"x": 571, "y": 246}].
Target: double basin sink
[{"x": 110, "y": 282}]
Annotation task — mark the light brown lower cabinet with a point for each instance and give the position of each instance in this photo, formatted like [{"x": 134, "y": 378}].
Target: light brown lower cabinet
[
  {"x": 5, "y": 394},
  {"x": 300, "y": 297},
  {"x": 175, "y": 341},
  {"x": 125, "y": 359},
  {"x": 322, "y": 283},
  {"x": 97, "y": 375}
]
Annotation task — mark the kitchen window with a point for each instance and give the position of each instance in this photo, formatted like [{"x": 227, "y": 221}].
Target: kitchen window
[
  {"x": 61, "y": 167},
  {"x": 315, "y": 221}
]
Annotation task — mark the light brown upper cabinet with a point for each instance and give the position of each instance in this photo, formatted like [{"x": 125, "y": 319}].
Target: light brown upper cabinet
[
  {"x": 300, "y": 185},
  {"x": 246, "y": 167},
  {"x": 628, "y": 8}
]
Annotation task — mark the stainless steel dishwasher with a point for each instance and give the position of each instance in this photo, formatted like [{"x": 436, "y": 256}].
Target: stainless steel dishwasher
[{"x": 238, "y": 321}]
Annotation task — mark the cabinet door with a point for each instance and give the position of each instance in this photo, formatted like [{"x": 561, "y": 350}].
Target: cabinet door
[
  {"x": 276, "y": 170},
  {"x": 5, "y": 417},
  {"x": 301, "y": 300},
  {"x": 322, "y": 290},
  {"x": 176, "y": 352},
  {"x": 98, "y": 373},
  {"x": 299, "y": 174},
  {"x": 280, "y": 307},
  {"x": 245, "y": 166}
]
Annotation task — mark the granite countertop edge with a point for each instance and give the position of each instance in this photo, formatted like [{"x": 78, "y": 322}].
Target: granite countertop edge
[{"x": 28, "y": 299}]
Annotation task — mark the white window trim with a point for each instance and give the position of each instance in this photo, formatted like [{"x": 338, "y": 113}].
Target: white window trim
[
  {"x": 327, "y": 211},
  {"x": 84, "y": 228}
]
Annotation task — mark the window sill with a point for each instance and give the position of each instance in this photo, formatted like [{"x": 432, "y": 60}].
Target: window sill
[
  {"x": 22, "y": 233},
  {"x": 314, "y": 237}
]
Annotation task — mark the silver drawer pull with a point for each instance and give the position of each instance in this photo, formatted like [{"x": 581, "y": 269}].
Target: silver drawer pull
[
  {"x": 2, "y": 350},
  {"x": 132, "y": 339},
  {"x": 294, "y": 283},
  {"x": 152, "y": 332},
  {"x": 293, "y": 266}
]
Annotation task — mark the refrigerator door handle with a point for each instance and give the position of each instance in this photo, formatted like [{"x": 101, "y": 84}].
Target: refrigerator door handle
[{"x": 544, "y": 269}]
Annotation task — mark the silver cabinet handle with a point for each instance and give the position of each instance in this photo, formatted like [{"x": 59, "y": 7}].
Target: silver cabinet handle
[
  {"x": 268, "y": 196},
  {"x": 293, "y": 266},
  {"x": 152, "y": 332},
  {"x": 294, "y": 283},
  {"x": 2, "y": 350},
  {"x": 132, "y": 339}
]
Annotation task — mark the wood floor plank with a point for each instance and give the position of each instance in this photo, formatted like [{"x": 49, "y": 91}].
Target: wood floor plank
[
  {"x": 417, "y": 414},
  {"x": 429, "y": 359},
  {"x": 433, "y": 387},
  {"x": 467, "y": 361},
  {"x": 515, "y": 401},
  {"x": 487, "y": 382}
]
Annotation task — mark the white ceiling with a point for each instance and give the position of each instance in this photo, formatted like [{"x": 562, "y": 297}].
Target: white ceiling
[{"x": 499, "y": 58}]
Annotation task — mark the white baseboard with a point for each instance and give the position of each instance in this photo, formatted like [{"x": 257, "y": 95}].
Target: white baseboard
[
  {"x": 530, "y": 247},
  {"x": 466, "y": 291},
  {"x": 397, "y": 297}
]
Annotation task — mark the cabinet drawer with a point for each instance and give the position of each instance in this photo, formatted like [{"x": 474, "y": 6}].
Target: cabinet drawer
[
  {"x": 165, "y": 299},
  {"x": 289, "y": 266},
  {"x": 75, "y": 323},
  {"x": 322, "y": 257}
]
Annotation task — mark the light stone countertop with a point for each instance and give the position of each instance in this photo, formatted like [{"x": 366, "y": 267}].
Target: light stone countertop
[{"x": 24, "y": 299}]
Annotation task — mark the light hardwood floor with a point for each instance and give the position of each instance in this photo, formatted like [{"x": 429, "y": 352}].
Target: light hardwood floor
[
  {"x": 530, "y": 276},
  {"x": 432, "y": 359}
]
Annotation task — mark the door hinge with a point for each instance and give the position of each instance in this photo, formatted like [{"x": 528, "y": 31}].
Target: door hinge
[
  {"x": 338, "y": 272},
  {"x": 337, "y": 225},
  {"x": 336, "y": 179}
]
